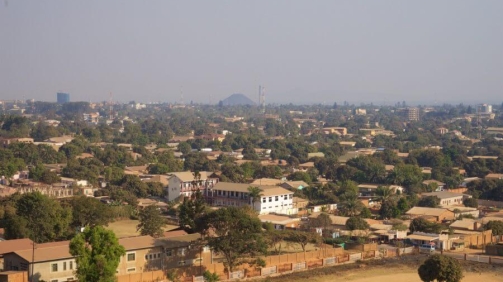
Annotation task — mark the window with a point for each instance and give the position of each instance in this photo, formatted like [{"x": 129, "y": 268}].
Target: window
[
  {"x": 291, "y": 196},
  {"x": 64, "y": 265},
  {"x": 276, "y": 198},
  {"x": 54, "y": 267},
  {"x": 270, "y": 199},
  {"x": 264, "y": 200},
  {"x": 71, "y": 265},
  {"x": 181, "y": 251},
  {"x": 169, "y": 253},
  {"x": 182, "y": 262},
  {"x": 131, "y": 257},
  {"x": 132, "y": 269}
]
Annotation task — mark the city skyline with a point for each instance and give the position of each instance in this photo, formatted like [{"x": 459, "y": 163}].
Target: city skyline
[{"x": 303, "y": 53}]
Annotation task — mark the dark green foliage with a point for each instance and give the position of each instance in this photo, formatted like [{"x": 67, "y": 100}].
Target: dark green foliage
[
  {"x": 39, "y": 218},
  {"x": 88, "y": 212},
  {"x": 151, "y": 221},
  {"x": 191, "y": 210},
  {"x": 496, "y": 226},
  {"x": 423, "y": 225},
  {"x": 429, "y": 202},
  {"x": 238, "y": 235},
  {"x": 440, "y": 268},
  {"x": 357, "y": 223},
  {"x": 471, "y": 202},
  {"x": 97, "y": 252}
]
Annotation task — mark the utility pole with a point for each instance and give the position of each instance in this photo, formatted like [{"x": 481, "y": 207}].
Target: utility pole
[{"x": 32, "y": 262}]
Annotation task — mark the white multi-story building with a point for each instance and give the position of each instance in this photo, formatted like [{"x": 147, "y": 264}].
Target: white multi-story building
[
  {"x": 274, "y": 199},
  {"x": 185, "y": 183}
]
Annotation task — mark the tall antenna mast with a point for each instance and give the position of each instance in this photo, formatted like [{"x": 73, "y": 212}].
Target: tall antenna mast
[{"x": 263, "y": 100}]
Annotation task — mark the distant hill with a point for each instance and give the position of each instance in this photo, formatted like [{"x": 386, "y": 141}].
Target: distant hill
[{"x": 237, "y": 99}]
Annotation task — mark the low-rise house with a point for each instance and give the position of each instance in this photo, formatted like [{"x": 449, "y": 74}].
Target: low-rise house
[
  {"x": 306, "y": 166},
  {"x": 280, "y": 222},
  {"x": 60, "y": 140},
  {"x": 440, "y": 241},
  {"x": 335, "y": 130},
  {"x": 369, "y": 190},
  {"x": 466, "y": 224},
  {"x": 267, "y": 181},
  {"x": 186, "y": 183},
  {"x": 294, "y": 185},
  {"x": 53, "y": 261},
  {"x": 274, "y": 199},
  {"x": 495, "y": 176},
  {"x": 465, "y": 211},
  {"x": 434, "y": 214},
  {"x": 438, "y": 186},
  {"x": 8, "y": 246},
  {"x": 448, "y": 199}
]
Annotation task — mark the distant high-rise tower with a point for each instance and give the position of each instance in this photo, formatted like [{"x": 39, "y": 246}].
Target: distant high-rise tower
[
  {"x": 261, "y": 97},
  {"x": 63, "y": 98},
  {"x": 413, "y": 114}
]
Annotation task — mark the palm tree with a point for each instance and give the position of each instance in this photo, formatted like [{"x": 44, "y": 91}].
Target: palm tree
[
  {"x": 255, "y": 194},
  {"x": 384, "y": 193},
  {"x": 350, "y": 205}
]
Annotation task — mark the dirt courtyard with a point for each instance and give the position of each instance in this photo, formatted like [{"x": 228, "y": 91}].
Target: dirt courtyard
[
  {"x": 400, "y": 275},
  {"x": 398, "y": 269}
]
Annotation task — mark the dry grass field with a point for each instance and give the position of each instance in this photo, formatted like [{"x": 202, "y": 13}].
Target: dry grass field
[
  {"x": 127, "y": 228},
  {"x": 399, "y": 269}
]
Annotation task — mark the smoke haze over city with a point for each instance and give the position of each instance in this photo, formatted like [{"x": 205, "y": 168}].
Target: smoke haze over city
[{"x": 300, "y": 51}]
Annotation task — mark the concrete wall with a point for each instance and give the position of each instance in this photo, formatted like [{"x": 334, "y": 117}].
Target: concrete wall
[{"x": 18, "y": 276}]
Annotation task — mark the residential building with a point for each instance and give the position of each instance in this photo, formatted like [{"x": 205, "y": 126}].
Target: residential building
[
  {"x": 433, "y": 214},
  {"x": 440, "y": 241},
  {"x": 63, "y": 98},
  {"x": 442, "y": 130},
  {"x": 93, "y": 118},
  {"x": 413, "y": 114},
  {"x": 185, "y": 183},
  {"x": 369, "y": 190},
  {"x": 448, "y": 199},
  {"x": 335, "y": 130},
  {"x": 274, "y": 199},
  {"x": 53, "y": 261},
  {"x": 495, "y": 176},
  {"x": 294, "y": 185},
  {"x": 464, "y": 211},
  {"x": 437, "y": 185},
  {"x": 280, "y": 222}
]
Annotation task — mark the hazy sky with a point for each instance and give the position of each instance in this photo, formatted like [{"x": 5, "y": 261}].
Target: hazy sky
[{"x": 301, "y": 51}]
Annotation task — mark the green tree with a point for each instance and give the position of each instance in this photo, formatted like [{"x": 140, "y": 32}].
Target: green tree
[
  {"x": 255, "y": 194},
  {"x": 350, "y": 205},
  {"x": 39, "y": 218},
  {"x": 429, "y": 201},
  {"x": 496, "y": 226},
  {"x": 357, "y": 223},
  {"x": 97, "y": 252},
  {"x": 88, "y": 212},
  {"x": 191, "y": 210},
  {"x": 440, "y": 268},
  {"x": 210, "y": 276},
  {"x": 422, "y": 225},
  {"x": 303, "y": 238},
  {"x": 471, "y": 202},
  {"x": 151, "y": 221},
  {"x": 237, "y": 235}
]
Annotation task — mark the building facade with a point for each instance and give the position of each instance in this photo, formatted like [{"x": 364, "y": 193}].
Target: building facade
[
  {"x": 186, "y": 183},
  {"x": 274, "y": 199},
  {"x": 62, "y": 97}
]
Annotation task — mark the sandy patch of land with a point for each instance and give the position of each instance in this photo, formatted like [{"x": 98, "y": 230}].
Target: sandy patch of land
[
  {"x": 400, "y": 275},
  {"x": 128, "y": 228}
]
